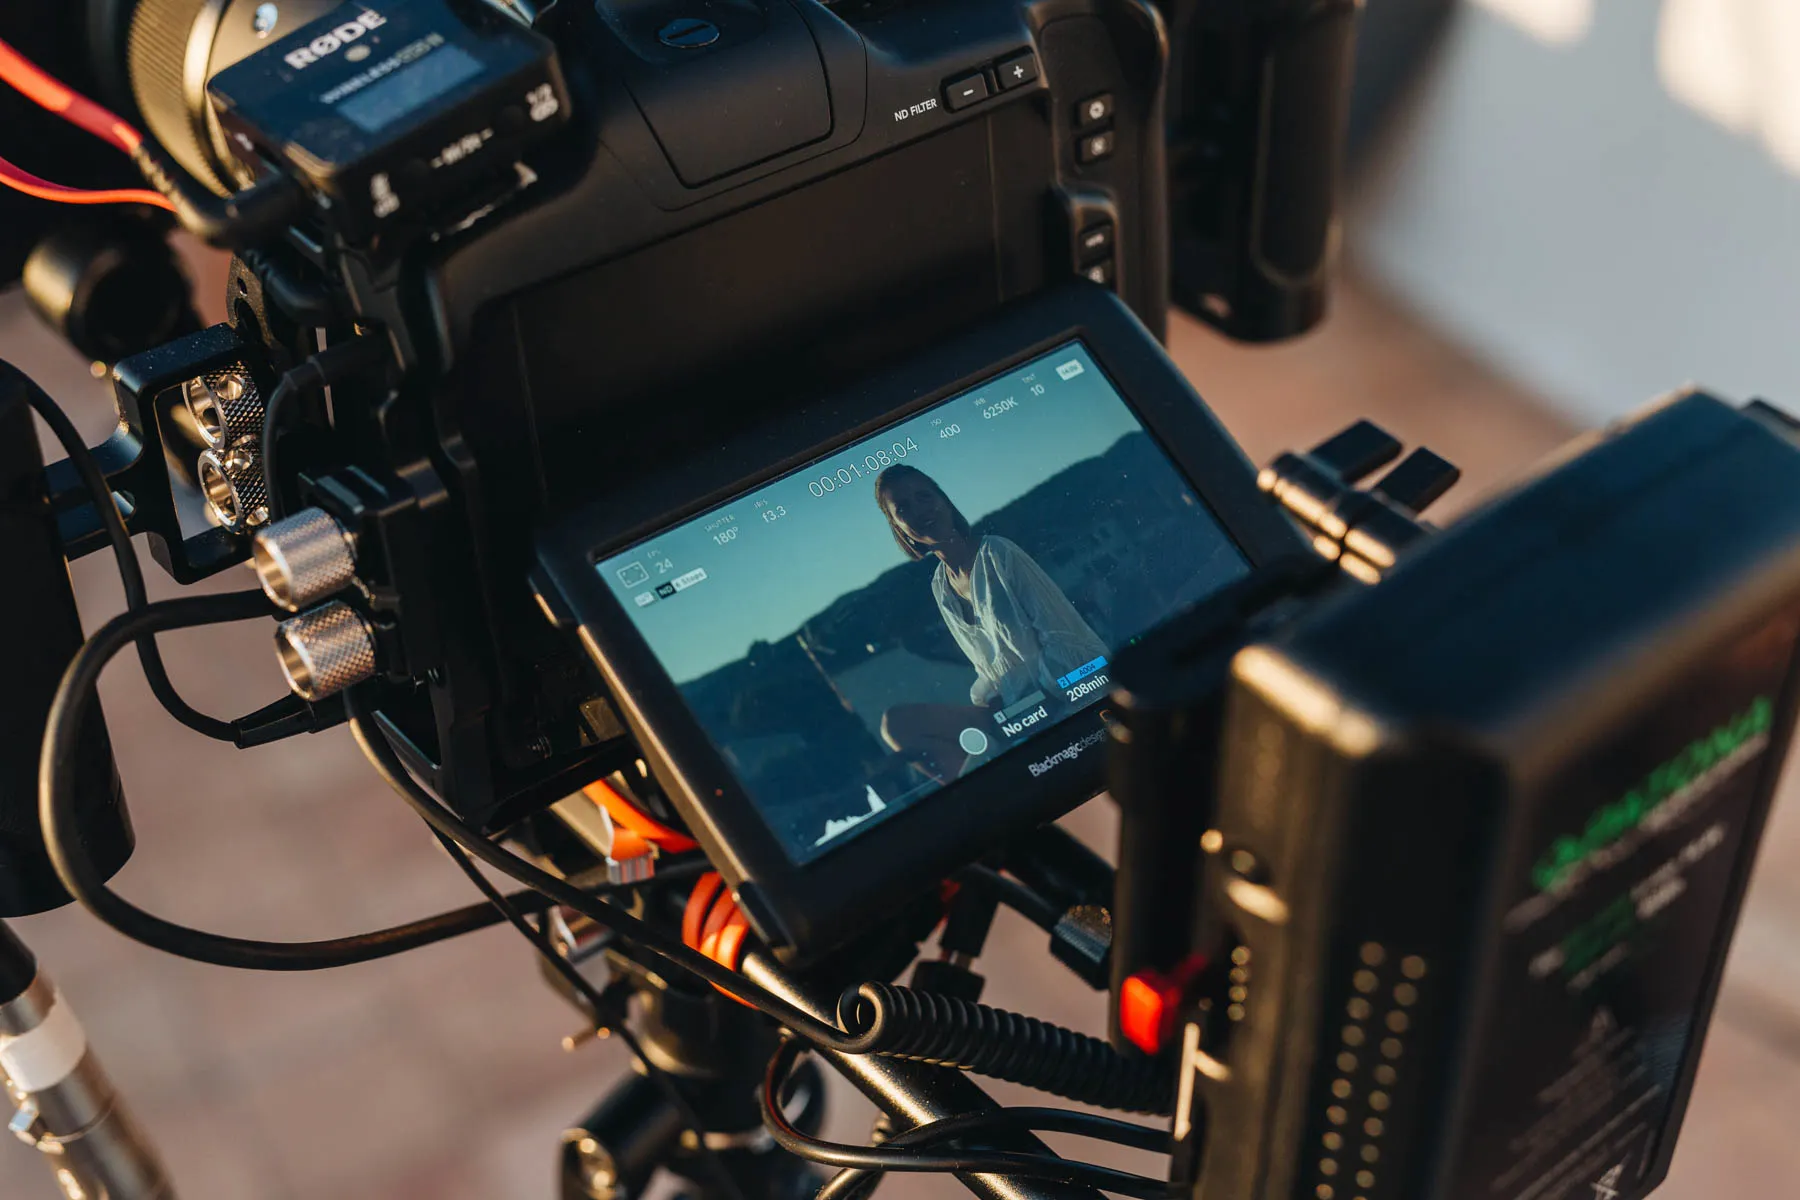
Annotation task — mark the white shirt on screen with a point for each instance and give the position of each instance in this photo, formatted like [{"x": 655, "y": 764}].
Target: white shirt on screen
[{"x": 1018, "y": 629}]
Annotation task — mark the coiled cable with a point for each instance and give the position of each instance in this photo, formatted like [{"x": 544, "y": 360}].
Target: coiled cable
[{"x": 900, "y": 1022}]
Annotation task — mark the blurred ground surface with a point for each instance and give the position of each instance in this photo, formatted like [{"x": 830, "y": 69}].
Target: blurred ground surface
[{"x": 439, "y": 1074}]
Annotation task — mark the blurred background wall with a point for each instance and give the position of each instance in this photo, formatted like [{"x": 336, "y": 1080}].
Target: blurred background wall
[{"x": 1602, "y": 196}]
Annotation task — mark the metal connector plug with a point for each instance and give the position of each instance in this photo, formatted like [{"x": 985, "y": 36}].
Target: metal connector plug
[
  {"x": 325, "y": 650},
  {"x": 304, "y": 558},
  {"x": 226, "y": 406},
  {"x": 236, "y": 492}
]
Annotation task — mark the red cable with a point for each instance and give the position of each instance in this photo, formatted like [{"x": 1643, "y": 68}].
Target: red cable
[
  {"x": 35, "y": 85},
  {"x": 24, "y": 181}
]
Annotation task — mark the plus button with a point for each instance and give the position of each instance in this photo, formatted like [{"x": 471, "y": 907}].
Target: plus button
[{"x": 1017, "y": 71}]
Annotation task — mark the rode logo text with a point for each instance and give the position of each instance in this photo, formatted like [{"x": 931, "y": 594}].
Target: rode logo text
[{"x": 327, "y": 44}]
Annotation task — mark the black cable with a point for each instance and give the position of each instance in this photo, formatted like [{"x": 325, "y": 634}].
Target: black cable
[
  {"x": 306, "y": 301},
  {"x": 131, "y": 574},
  {"x": 665, "y": 946},
  {"x": 850, "y": 1183},
  {"x": 230, "y": 222},
  {"x": 911, "y": 1158},
  {"x": 947, "y": 1031},
  {"x": 326, "y": 367},
  {"x": 597, "y": 1003},
  {"x": 1095, "y": 1126},
  {"x": 56, "y": 804},
  {"x": 1014, "y": 895},
  {"x": 274, "y": 416}
]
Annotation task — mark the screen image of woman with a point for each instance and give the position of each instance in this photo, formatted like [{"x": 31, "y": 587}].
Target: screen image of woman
[{"x": 1017, "y": 629}]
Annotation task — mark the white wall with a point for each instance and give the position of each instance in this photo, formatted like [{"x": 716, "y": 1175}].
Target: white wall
[{"x": 1602, "y": 197}]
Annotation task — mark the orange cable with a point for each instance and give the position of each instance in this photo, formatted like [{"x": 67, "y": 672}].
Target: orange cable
[
  {"x": 713, "y": 924},
  {"x": 20, "y": 180},
  {"x": 625, "y": 813},
  {"x": 43, "y": 89},
  {"x": 723, "y": 909},
  {"x": 731, "y": 946},
  {"x": 706, "y": 890}
]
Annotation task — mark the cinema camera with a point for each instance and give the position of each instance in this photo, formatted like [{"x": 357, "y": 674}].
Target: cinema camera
[{"x": 719, "y": 460}]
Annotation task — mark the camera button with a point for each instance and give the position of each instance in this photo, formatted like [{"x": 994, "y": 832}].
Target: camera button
[
  {"x": 1096, "y": 242},
  {"x": 1094, "y": 147},
  {"x": 1016, "y": 71},
  {"x": 1094, "y": 111},
  {"x": 688, "y": 33},
  {"x": 1101, "y": 273},
  {"x": 965, "y": 90}
]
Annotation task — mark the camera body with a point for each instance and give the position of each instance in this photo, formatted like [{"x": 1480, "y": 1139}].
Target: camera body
[
  {"x": 723, "y": 232},
  {"x": 544, "y": 258}
]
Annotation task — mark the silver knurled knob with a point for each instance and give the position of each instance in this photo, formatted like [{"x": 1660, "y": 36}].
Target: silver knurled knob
[
  {"x": 304, "y": 558},
  {"x": 325, "y": 650},
  {"x": 226, "y": 406},
  {"x": 236, "y": 491}
]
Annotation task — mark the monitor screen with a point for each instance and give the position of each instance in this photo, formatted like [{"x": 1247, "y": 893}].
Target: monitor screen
[
  {"x": 870, "y": 628},
  {"x": 415, "y": 84}
]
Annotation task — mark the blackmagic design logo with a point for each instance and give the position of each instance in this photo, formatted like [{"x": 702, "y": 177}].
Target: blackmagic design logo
[
  {"x": 1068, "y": 753},
  {"x": 333, "y": 40}
]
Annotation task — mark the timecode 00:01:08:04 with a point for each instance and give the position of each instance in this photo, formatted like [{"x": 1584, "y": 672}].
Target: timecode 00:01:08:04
[{"x": 875, "y": 462}]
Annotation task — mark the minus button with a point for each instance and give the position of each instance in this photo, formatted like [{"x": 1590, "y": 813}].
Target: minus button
[{"x": 965, "y": 90}]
